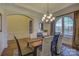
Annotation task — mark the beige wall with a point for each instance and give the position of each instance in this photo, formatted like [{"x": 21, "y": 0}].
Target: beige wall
[{"x": 19, "y": 25}]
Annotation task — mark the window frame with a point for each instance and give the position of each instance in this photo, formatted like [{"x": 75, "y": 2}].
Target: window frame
[{"x": 66, "y": 15}]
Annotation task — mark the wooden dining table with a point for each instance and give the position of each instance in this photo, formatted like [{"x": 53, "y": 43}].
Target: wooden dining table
[{"x": 35, "y": 45}]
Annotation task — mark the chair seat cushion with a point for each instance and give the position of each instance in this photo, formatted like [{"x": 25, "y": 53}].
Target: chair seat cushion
[{"x": 26, "y": 50}]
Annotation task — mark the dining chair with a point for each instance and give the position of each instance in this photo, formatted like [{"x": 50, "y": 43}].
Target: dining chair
[
  {"x": 25, "y": 52},
  {"x": 59, "y": 45},
  {"x": 44, "y": 50},
  {"x": 39, "y": 35},
  {"x": 54, "y": 44}
]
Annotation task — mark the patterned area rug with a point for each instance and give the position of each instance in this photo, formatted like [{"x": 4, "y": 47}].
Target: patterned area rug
[{"x": 68, "y": 51}]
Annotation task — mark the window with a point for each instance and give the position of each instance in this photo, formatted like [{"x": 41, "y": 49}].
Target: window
[
  {"x": 64, "y": 25},
  {"x": 68, "y": 27},
  {"x": 58, "y": 25}
]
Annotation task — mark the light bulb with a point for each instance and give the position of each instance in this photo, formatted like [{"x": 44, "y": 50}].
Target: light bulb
[
  {"x": 45, "y": 15},
  {"x": 47, "y": 20},
  {"x": 42, "y": 19},
  {"x": 50, "y": 15},
  {"x": 53, "y": 18}
]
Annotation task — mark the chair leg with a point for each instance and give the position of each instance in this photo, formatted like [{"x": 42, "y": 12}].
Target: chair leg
[
  {"x": 27, "y": 44},
  {"x": 35, "y": 51}
]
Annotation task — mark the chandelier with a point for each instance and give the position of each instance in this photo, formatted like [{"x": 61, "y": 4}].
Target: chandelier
[{"x": 48, "y": 17}]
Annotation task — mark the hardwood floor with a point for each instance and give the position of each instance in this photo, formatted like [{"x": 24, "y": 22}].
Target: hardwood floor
[{"x": 12, "y": 46}]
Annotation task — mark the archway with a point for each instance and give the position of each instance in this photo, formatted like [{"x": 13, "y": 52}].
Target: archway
[{"x": 18, "y": 24}]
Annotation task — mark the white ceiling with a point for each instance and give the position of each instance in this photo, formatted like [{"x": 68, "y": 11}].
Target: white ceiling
[{"x": 42, "y": 7}]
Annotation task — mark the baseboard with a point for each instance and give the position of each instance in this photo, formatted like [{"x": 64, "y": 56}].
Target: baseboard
[
  {"x": 1, "y": 51},
  {"x": 0, "y": 54}
]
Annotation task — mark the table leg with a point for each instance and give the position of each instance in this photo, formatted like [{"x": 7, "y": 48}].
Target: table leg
[
  {"x": 35, "y": 51},
  {"x": 27, "y": 44}
]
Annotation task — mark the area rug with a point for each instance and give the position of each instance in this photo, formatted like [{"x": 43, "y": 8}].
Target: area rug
[{"x": 68, "y": 51}]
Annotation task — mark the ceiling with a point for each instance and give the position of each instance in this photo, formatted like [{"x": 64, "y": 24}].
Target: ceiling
[{"x": 43, "y": 7}]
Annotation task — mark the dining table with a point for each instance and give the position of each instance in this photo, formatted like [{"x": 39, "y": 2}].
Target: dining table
[{"x": 35, "y": 45}]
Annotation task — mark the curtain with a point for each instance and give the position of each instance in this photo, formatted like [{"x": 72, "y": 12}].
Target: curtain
[{"x": 76, "y": 36}]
